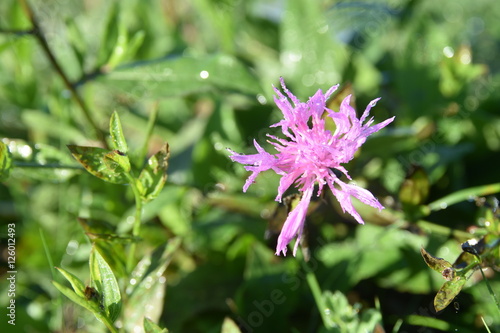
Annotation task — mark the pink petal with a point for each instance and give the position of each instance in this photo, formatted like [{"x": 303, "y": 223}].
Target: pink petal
[
  {"x": 294, "y": 224},
  {"x": 368, "y": 108}
]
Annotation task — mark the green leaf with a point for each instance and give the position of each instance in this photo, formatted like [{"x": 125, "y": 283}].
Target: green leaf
[
  {"x": 302, "y": 20},
  {"x": 104, "y": 164},
  {"x": 76, "y": 40},
  {"x": 370, "y": 319},
  {"x": 78, "y": 286},
  {"x": 150, "y": 327},
  {"x": 100, "y": 230},
  {"x": 344, "y": 317},
  {"x": 183, "y": 76},
  {"x": 120, "y": 47},
  {"x": 104, "y": 280},
  {"x": 229, "y": 326},
  {"x": 117, "y": 137},
  {"x": 147, "y": 288},
  {"x": 116, "y": 160},
  {"x": 109, "y": 35},
  {"x": 113, "y": 253},
  {"x": 90, "y": 305},
  {"x": 449, "y": 290},
  {"x": 437, "y": 264},
  {"x": 5, "y": 161},
  {"x": 88, "y": 302},
  {"x": 51, "y": 126},
  {"x": 39, "y": 161},
  {"x": 95, "y": 227},
  {"x": 415, "y": 188},
  {"x": 427, "y": 321},
  {"x": 154, "y": 174}
]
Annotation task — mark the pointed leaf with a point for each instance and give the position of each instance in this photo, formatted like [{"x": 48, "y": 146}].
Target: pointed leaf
[
  {"x": 437, "y": 264},
  {"x": 109, "y": 34},
  {"x": 5, "y": 161},
  {"x": 92, "y": 306},
  {"x": 427, "y": 321},
  {"x": 117, "y": 137},
  {"x": 150, "y": 327},
  {"x": 101, "y": 231},
  {"x": 77, "y": 285},
  {"x": 448, "y": 292},
  {"x": 154, "y": 174},
  {"x": 118, "y": 161},
  {"x": 76, "y": 40},
  {"x": 104, "y": 280},
  {"x": 229, "y": 326},
  {"x": 120, "y": 47},
  {"x": 101, "y": 163},
  {"x": 134, "y": 44}
]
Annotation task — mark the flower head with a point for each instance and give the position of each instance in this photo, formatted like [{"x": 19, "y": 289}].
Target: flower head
[{"x": 310, "y": 153}]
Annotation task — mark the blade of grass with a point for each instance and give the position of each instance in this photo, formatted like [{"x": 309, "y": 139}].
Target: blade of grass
[
  {"x": 490, "y": 290},
  {"x": 59, "y": 301},
  {"x": 487, "y": 328},
  {"x": 463, "y": 195},
  {"x": 317, "y": 294}
]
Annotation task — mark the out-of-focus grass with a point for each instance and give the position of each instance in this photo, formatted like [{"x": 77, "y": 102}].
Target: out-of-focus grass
[{"x": 210, "y": 65}]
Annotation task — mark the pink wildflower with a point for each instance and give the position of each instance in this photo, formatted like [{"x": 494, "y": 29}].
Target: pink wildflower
[{"x": 309, "y": 154}]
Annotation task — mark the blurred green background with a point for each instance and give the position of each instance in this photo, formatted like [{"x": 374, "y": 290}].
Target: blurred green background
[{"x": 208, "y": 67}]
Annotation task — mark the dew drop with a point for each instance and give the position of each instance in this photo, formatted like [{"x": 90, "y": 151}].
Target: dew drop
[
  {"x": 72, "y": 247},
  {"x": 261, "y": 99},
  {"x": 448, "y": 52},
  {"x": 25, "y": 151},
  {"x": 204, "y": 74}
]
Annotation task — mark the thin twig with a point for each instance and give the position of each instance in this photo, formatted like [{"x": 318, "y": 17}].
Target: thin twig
[
  {"x": 17, "y": 32},
  {"x": 92, "y": 75},
  {"x": 37, "y": 32}
]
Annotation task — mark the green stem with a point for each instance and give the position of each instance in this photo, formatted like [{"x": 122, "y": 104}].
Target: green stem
[
  {"x": 136, "y": 229},
  {"x": 106, "y": 322},
  {"x": 17, "y": 32},
  {"x": 46, "y": 166},
  {"x": 463, "y": 195},
  {"x": 317, "y": 294},
  {"x": 492, "y": 293},
  {"x": 149, "y": 131}
]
